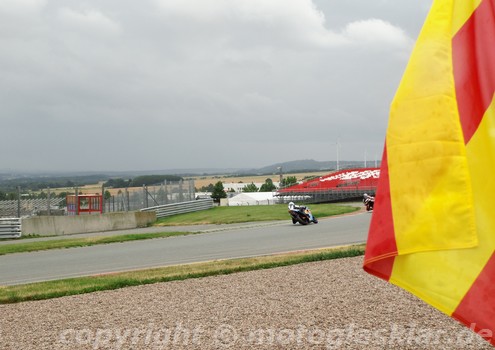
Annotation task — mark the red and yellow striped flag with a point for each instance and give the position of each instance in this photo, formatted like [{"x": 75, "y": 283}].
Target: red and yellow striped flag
[{"x": 433, "y": 227}]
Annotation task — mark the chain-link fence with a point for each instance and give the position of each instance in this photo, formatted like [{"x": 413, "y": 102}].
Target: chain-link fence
[
  {"x": 30, "y": 207},
  {"x": 121, "y": 199},
  {"x": 168, "y": 192}
]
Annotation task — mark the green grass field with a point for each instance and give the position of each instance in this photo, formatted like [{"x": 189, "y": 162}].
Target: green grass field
[{"x": 230, "y": 215}]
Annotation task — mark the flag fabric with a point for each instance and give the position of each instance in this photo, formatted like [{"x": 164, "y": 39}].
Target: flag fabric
[{"x": 433, "y": 227}]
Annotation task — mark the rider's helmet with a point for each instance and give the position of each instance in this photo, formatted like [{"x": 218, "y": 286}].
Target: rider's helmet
[{"x": 291, "y": 205}]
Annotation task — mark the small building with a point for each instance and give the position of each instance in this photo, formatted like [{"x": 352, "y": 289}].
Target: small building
[{"x": 84, "y": 204}]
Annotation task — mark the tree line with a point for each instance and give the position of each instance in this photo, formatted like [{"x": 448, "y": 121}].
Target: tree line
[
  {"x": 41, "y": 183},
  {"x": 146, "y": 180},
  {"x": 36, "y": 188}
]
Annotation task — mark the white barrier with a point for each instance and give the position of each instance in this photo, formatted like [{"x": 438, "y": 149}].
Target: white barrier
[
  {"x": 10, "y": 228},
  {"x": 180, "y": 208}
]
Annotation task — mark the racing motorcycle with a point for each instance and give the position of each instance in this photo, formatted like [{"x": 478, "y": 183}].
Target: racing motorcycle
[
  {"x": 301, "y": 214},
  {"x": 369, "y": 202}
]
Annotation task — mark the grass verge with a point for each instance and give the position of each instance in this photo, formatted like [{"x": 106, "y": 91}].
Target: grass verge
[
  {"x": 82, "y": 242},
  {"x": 81, "y": 285},
  {"x": 240, "y": 214}
]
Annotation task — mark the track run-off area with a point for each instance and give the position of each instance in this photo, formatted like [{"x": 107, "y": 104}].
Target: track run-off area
[{"x": 222, "y": 242}]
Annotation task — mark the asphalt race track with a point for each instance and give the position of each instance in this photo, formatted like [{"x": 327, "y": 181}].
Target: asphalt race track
[{"x": 280, "y": 237}]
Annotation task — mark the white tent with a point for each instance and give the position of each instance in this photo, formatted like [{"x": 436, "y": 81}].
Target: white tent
[{"x": 252, "y": 198}]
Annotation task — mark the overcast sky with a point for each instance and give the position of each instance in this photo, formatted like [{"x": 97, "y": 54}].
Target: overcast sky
[{"x": 161, "y": 84}]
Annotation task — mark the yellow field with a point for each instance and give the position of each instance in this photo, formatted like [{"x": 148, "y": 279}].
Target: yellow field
[{"x": 200, "y": 181}]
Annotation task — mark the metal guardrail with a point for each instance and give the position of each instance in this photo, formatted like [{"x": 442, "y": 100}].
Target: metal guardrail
[
  {"x": 325, "y": 195},
  {"x": 180, "y": 208},
  {"x": 10, "y": 228}
]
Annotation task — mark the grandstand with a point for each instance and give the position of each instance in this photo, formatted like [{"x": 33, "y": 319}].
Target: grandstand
[{"x": 344, "y": 185}]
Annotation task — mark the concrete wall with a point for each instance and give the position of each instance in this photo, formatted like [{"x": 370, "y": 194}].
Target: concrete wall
[{"x": 66, "y": 225}]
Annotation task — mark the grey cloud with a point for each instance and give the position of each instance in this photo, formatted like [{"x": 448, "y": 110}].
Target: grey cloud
[{"x": 154, "y": 84}]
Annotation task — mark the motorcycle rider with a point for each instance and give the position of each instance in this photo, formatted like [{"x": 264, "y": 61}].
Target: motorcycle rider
[
  {"x": 367, "y": 197},
  {"x": 368, "y": 201},
  {"x": 293, "y": 206}
]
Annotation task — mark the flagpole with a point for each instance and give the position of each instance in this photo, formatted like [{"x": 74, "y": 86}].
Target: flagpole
[{"x": 338, "y": 151}]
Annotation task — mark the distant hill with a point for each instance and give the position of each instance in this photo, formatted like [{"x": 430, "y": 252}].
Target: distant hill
[
  {"x": 305, "y": 165},
  {"x": 9, "y": 180}
]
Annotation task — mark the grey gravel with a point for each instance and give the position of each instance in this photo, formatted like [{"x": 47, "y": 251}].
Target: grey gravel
[{"x": 324, "y": 305}]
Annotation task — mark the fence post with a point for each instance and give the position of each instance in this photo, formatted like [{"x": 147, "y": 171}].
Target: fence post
[
  {"x": 181, "y": 192},
  {"x": 18, "y": 201},
  {"x": 191, "y": 190},
  {"x": 127, "y": 198},
  {"x": 48, "y": 201},
  {"x": 145, "y": 196},
  {"x": 77, "y": 201},
  {"x": 102, "y": 198},
  {"x": 165, "y": 188}
]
